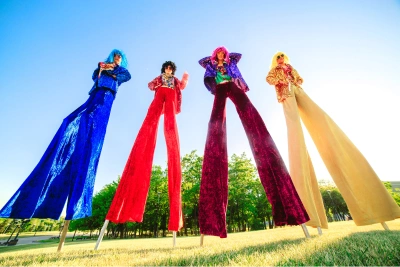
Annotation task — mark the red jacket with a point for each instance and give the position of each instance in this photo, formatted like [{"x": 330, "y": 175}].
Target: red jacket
[{"x": 179, "y": 86}]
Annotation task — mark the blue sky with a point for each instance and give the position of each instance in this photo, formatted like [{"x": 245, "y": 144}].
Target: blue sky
[{"x": 346, "y": 51}]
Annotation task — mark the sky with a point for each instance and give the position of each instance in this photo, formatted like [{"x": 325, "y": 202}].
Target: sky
[{"x": 346, "y": 51}]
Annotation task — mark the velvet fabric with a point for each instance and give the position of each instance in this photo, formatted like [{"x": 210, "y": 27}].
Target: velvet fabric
[
  {"x": 68, "y": 167},
  {"x": 130, "y": 198},
  {"x": 287, "y": 207}
]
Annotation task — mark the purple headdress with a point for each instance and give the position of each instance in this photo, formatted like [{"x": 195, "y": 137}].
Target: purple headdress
[{"x": 219, "y": 49}]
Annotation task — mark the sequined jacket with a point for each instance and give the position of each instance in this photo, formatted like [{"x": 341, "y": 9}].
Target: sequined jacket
[
  {"x": 231, "y": 68},
  {"x": 108, "y": 81},
  {"x": 283, "y": 89},
  {"x": 179, "y": 86}
]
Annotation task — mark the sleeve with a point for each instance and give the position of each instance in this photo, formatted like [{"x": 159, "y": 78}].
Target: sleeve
[
  {"x": 184, "y": 81},
  {"x": 121, "y": 75},
  {"x": 297, "y": 78},
  {"x": 154, "y": 84},
  {"x": 235, "y": 57},
  {"x": 272, "y": 79},
  {"x": 95, "y": 74},
  {"x": 204, "y": 62}
]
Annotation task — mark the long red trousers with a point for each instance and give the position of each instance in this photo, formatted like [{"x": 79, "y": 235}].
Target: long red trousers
[
  {"x": 287, "y": 207},
  {"x": 130, "y": 199}
]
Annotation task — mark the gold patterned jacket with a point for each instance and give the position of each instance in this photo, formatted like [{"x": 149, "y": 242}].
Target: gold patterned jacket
[{"x": 283, "y": 80}]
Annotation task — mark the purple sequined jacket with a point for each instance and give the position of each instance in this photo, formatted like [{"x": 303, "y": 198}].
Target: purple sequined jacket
[{"x": 231, "y": 68}]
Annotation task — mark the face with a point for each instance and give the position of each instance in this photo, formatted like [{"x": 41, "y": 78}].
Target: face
[
  {"x": 220, "y": 55},
  {"x": 168, "y": 69},
  {"x": 117, "y": 59},
  {"x": 280, "y": 59}
]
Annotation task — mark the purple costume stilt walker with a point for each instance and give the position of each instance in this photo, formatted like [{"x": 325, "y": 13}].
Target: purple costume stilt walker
[{"x": 225, "y": 81}]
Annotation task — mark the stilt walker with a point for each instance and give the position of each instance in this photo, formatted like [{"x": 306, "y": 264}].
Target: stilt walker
[
  {"x": 223, "y": 79},
  {"x": 67, "y": 170},
  {"x": 285, "y": 79},
  {"x": 130, "y": 198},
  {"x": 364, "y": 193}
]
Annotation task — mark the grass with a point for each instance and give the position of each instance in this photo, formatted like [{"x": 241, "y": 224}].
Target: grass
[
  {"x": 343, "y": 244},
  {"x": 4, "y": 237}
]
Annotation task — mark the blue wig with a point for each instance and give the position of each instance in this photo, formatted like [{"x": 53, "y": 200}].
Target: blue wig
[{"x": 110, "y": 58}]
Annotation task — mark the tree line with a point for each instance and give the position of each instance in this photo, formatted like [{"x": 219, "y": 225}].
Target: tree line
[{"x": 248, "y": 207}]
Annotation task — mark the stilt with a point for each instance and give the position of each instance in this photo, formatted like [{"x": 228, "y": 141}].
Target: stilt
[
  {"x": 201, "y": 240},
  {"x": 63, "y": 235},
  {"x": 103, "y": 229},
  {"x": 385, "y": 226},
  {"x": 305, "y": 230},
  {"x": 319, "y": 230},
  {"x": 174, "y": 239}
]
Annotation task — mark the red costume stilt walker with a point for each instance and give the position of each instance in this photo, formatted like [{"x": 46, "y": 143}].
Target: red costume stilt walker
[{"x": 130, "y": 199}]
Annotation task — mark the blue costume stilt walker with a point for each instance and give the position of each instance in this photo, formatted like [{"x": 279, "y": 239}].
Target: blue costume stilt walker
[{"x": 67, "y": 170}]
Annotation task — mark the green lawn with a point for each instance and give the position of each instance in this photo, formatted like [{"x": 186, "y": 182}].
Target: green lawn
[
  {"x": 343, "y": 244},
  {"x": 4, "y": 237}
]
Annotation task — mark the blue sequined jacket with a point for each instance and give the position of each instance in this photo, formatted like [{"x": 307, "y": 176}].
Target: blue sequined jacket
[
  {"x": 231, "y": 68},
  {"x": 108, "y": 81}
]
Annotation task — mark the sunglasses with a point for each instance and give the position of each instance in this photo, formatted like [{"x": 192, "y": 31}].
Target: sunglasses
[
  {"x": 280, "y": 56},
  {"x": 168, "y": 67}
]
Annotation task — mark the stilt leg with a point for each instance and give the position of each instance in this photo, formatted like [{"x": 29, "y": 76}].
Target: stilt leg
[
  {"x": 305, "y": 230},
  {"x": 103, "y": 229},
  {"x": 201, "y": 240},
  {"x": 63, "y": 235},
  {"x": 385, "y": 226},
  {"x": 319, "y": 230},
  {"x": 174, "y": 239}
]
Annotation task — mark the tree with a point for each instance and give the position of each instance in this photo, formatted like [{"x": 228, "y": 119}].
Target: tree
[
  {"x": 191, "y": 176},
  {"x": 5, "y": 225},
  {"x": 100, "y": 205},
  {"x": 335, "y": 206},
  {"x": 395, "y": 195},
  {"x": 248, "y": 206},
  {"x": 157, "y": 206}
]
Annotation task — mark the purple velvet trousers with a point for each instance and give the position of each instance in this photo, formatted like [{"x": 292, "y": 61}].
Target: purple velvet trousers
[{"x": 287, "y": 208}]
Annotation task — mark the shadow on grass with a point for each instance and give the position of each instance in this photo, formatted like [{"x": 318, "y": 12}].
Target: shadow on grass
[
  {"x": 31, "y": 247},
  {"x": 374, "y": 248}
]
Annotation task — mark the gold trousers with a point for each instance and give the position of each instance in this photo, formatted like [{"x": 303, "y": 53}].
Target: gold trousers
[
  {"x": 301, "y": 168},
  {"x": 368, "y": 200}
]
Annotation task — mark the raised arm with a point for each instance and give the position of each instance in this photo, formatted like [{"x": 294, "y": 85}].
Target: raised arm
[
  {"x": 96, "y": 72},
  {"x": 235, "y": 57},
  {"x": 204, "y": 62},
  {"x": 184, "y": 81}
]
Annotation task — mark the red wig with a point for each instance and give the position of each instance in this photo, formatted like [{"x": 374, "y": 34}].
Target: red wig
[{"x": 220, "y": 49}]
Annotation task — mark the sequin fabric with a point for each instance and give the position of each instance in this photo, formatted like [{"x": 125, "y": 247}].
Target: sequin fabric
[
  {"x": 231, "y": 70},
  {"x": 67, "y": 170},
  {"x": 281, "y": 77},
  {"x": 107, "y": 80},
  {"x": 287, "y": 208}
]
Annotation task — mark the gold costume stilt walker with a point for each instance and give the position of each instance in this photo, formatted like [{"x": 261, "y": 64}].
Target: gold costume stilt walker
[{"x": 364, "y": 193}]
